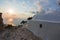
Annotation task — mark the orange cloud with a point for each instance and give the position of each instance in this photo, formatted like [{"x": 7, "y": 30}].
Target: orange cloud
[{"x": 8, "y": 18}]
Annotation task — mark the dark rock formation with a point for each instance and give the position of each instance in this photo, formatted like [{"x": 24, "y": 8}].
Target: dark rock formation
[{"x": 1, "y": 20}]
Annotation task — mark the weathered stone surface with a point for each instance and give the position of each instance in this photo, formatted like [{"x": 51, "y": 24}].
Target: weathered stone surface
[{"x": 18, "y": 34}]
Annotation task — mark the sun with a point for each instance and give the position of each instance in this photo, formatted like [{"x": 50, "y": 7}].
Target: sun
[{"x": 10, "y": 11}]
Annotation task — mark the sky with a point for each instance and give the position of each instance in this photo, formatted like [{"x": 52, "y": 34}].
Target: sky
[
  {"x": 25, "y": 8},
  {"x": 26, "y": 5}
]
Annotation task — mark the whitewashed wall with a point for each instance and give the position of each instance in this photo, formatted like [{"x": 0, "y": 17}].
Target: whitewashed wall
[{"x": 49, "y": 30}]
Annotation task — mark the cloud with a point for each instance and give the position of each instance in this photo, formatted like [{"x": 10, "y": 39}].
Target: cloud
[
  {"x": 23, "y": 4},
  {"x": 58, "y": 1},
  {"x": 39, "y": 6},
  {"x": 10, "y": 2},
  {"x": 24, "y": 15},
  {"x": 8, "y": 18},
  {"x": 1, "y": 9},
  {"x": 45, "y": 1},
  {"x": 50, "y": 10}
]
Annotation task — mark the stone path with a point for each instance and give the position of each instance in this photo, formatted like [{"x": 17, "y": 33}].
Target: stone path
[{"x": 18, "y": 34}]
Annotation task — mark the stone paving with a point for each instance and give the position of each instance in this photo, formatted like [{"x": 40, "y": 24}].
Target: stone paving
[{"x": 17, "y": 34}]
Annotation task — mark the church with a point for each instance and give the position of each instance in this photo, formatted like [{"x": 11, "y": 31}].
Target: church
[{"x": 46, "y": 26}]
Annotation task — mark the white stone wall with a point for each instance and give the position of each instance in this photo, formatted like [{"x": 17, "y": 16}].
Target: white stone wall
[{"x": 49, "y": 30}]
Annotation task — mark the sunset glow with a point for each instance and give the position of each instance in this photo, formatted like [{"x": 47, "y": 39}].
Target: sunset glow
[{"x": 10, "y": 11}]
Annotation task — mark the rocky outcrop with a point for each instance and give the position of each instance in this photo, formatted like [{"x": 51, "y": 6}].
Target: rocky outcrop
[{"x": 1, "y": 20}]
